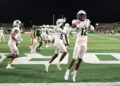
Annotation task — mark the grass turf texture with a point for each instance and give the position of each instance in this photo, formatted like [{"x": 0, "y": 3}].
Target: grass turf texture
[
  {"x": 97, "y": 43},
  {"x": 106, "y": 57}
]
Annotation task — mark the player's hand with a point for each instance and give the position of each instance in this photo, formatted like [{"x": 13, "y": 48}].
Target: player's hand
[{"x": 66, "y": 44}]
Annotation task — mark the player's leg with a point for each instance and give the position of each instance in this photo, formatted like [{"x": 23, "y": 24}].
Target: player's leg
[
  {"x": 52, "y": 59},
  {"x": 3, "y": 37},
  {"x": 75, "y": 55},
  {"x": 35, "y": 47},
  {"x": 82, "y": 52},
  {"x": 32, "y": 47},
  {"x": 40, "y": 44},
  {"x": 15, "y": 54},
  {"x": 64, "y": 50},
  {"x": 76, "y": 68},
  {"x": 11, "y": 60},
  {"x": 3, "y": 57}
]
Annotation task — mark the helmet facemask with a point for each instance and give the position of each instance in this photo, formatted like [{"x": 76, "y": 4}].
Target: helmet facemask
[{"x": 81, "y": 15}]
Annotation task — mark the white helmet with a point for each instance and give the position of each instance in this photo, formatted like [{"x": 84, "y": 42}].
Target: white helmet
[
  {"x": 17, "y": 23},
  {"x": 43, "y": 25},
  {"x": 60, "y": 22},
  {"x": 81, "y": 12},
  {"x": 67, "y": 25},
  {"x": 52, "y": 26},
  {"x": 47, "y": 26}
]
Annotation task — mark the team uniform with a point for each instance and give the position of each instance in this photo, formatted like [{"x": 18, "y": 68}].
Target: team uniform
[
  {"x": 15, "y": 38},
  {"x": 81, "y": 41},
  {"x": 59, "y": 35},
  {"x": 37, "y": 42},
  {"x": 82, "y": 25},
  {"x": 50, "y": 36},
  {"x": 32, "y": 36},
  {"x": 59, "y": 45},
  {"x": 2, "y": 34},
  {"x": 44, "y": 33},
  {"x": 12, "y": 43}
]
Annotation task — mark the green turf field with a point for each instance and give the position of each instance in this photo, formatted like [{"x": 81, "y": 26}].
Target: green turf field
[{"x": 97, "y": 43}]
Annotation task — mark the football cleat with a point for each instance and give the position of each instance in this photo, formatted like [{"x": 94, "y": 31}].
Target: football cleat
[
  {"x": 2, "y": 58},
  {"x": 46, "y": 67},
  {"x": 73, "y": 76},
  {"x": 58, "y": 66},
  {"x": 10, "y": 67},
  {"x": 66, "y": 75},
  {"x": 33, "y": 51}
]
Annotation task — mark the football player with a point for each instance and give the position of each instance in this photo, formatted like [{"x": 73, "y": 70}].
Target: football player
[
  {"x": 2, "y": 34},
  {"x": 14, "y": 38},
  {"x": 37, "y": 42},
  {"x": 32, "y": 34},
  {"x": 80, "y": 26},
  {"x": 59, "y": 34}
]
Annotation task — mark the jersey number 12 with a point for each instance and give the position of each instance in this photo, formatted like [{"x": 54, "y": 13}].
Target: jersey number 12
[{"x": 83, "y": 31}]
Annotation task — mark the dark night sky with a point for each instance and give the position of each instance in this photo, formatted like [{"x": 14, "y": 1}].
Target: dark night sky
[{"x": 41, "y": 11}]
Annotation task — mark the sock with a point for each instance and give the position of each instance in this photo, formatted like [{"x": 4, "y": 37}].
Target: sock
[
  {"x": 59, "y": 62},
  {"x": 75, "y": 71},
  {"x": 68, "y": 70},
  {"x": 9, "y": 64}
]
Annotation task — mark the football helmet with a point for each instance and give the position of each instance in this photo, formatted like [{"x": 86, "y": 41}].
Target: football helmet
[
  {"x": 81, "y": 15},
  {"x": 67, "y": 25},
  {"x": 60, "y": 22},
  {"x": 17, "y": 23}
]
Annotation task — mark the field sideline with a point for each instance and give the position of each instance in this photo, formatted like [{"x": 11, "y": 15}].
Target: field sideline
[{"x": 29, "y": 73}]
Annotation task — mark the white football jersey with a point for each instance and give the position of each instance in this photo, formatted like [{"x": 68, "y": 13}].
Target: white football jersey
[
  {"x": 1, "y": 32},
  {"x": 66, "y": 29},
  {"x": 59, "y": 33},
  {"x": 18, "y": 35},
  {"x": 81, "y": 27}
]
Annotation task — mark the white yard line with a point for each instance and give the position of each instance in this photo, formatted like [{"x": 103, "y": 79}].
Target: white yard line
[{"x": 64, "y": 84}]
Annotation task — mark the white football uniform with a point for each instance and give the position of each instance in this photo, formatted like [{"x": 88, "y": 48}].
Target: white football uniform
[
  {"x": 59, "y": 35},
  {"x": 12, "y": 43},
  {"x": 1, "y": 32},
  {"x": 81, "y": 41},
  {"x": 50, "y": 34},
  {"x": 44, "y": 35},
  {"x": 2, "y": 35}
]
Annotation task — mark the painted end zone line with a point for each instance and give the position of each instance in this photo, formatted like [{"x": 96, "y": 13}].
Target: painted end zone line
[{"x": 64, "y": 84}]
